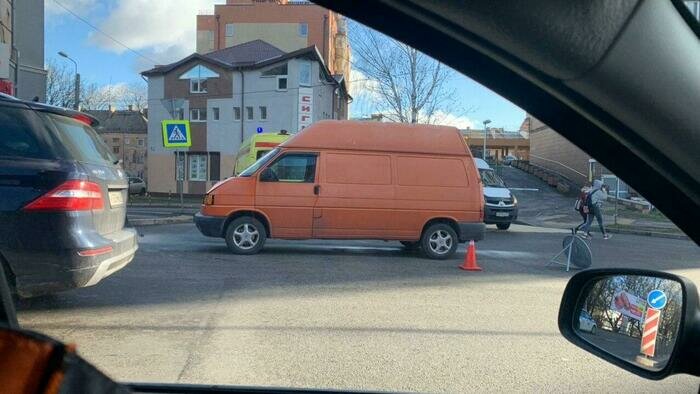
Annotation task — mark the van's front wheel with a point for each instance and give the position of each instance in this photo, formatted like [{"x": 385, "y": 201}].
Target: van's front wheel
[
  {"x": 439, "y": 241},
  {"x": 245, "y": 235}
]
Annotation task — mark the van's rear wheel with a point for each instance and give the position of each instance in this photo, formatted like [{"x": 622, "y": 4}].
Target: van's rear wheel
[
  {"x": 439, "y": 241},
  {"x": 245, "y": 235}
]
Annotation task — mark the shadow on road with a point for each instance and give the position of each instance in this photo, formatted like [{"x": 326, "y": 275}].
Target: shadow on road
[
  {"x": 302, "y": 329},
  {"x": 175, "y": 264}
]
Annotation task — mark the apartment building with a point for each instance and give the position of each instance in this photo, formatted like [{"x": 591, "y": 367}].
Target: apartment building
[
  {"x": 227, "y": 95},
  {"x": 22, "y": 72},
  {"x": 288, "y": 25},
  {"x": 126, "y": 134}
]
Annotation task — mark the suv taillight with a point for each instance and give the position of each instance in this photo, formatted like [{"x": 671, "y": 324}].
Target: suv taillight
[{"x": 71, "y": 195}]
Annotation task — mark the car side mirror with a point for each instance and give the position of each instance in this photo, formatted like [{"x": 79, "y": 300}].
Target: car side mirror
[
  {"x": 646, "y": 322},
  {"x": 267, "y": 175}
]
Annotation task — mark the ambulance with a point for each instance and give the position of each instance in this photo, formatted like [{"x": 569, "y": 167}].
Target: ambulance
[{"x": 255, "y": 147}]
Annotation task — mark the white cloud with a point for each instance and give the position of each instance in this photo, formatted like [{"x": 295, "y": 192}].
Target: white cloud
[
  {"x": 450, "y": 119},
  {"x": 164, "y": 31},
  {"x": 80, "y": 7}
]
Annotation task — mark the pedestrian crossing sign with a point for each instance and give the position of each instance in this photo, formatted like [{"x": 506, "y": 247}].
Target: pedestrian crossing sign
[{"x": 176, "y": 134}]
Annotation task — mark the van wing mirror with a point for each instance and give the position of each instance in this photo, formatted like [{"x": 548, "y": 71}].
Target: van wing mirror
[{"x": 646, "y": 322}]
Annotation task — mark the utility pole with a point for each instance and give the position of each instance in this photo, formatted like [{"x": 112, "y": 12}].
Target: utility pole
[
  {"x": 487, "y": 121},
  {"x": 76, "y": 100}
]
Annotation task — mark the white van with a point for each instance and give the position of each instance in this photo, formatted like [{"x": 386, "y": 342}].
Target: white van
[{"x": 501, "y": 206}]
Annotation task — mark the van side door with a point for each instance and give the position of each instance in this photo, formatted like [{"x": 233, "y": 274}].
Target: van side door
[
  {"x": 285, "y": 193},
  {"x": 356, "y": 196}
]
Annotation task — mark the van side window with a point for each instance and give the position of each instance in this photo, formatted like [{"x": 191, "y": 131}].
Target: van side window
[{"x": 293, "y": 167}]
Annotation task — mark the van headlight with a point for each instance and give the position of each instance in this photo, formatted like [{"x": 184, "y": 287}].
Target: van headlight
[{"x": 515, "y": 200}]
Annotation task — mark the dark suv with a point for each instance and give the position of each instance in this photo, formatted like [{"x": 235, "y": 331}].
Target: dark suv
[{"x": 62, "y": 200}]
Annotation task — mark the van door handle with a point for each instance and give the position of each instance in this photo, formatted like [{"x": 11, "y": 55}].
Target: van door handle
[{"x": 317, "y": 189}]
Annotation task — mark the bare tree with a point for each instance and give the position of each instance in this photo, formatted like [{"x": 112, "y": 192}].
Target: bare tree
[
  {"x": 60, "y": 88},
  {"x": 60, "y": 85},
  {"x": 406, "y": 85},
  {"x": 134, "y": 95}
]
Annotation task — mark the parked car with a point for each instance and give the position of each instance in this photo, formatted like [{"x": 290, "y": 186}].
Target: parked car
[
  {"x": 508, "y": 160},
  {"x": 353, "y": 180},
  {"x": 501, "y": 206},
  {"x": 255, "y": 147},
  {"x": 137, "y": 186},
  {"x": 62, "y": 209},
  {"x": 586, "y": 322}
]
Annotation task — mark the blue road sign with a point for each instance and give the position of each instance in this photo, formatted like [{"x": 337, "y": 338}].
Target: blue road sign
[
  {"x": 259, "y": 129},
  {"x": 657, "y": 299},
  {"x": 176, "y": 134}
]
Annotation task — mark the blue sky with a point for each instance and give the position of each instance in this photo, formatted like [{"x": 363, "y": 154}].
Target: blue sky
[{"x": 164, "y": 31}]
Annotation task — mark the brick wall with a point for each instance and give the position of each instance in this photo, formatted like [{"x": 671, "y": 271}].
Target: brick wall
[{"x": 552, "y": 151}]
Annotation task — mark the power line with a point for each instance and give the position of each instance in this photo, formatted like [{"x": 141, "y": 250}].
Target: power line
[{"x": 105, "y": 34}]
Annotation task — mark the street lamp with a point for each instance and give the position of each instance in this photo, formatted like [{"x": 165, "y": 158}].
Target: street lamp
[
  {"x": 76, "y": 105},
  {"x": 487, "y": 121}
]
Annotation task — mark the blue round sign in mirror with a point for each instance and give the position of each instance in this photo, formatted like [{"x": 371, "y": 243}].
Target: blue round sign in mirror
[{"x": 656, "y": 299}]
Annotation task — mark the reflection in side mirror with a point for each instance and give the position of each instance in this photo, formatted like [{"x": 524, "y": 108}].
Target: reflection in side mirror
[
  {"x": 647, "y": 322},
  {"x": 635, "y": 318}
]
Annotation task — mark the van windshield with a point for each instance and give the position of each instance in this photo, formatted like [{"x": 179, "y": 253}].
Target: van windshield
[
  {"x": 489, "y": 178},
  {"x": 259, "y": 163}
]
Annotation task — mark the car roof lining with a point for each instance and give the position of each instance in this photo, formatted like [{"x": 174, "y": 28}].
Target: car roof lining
[{"x": 597, "y": 127}]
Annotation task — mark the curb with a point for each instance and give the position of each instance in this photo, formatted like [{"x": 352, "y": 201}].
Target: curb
[
  {"x": 647, "y": 233},
  {"x": 157, "y": 221},
  {"x": 139, "y": 205}
]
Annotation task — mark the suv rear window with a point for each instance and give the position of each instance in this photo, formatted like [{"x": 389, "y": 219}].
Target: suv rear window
[
  {"x": 17, "y": 138},
  {"x": 80, "y": 140}
]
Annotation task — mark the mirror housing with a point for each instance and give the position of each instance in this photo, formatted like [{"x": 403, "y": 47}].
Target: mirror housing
[{"x": 685, "y": 356}]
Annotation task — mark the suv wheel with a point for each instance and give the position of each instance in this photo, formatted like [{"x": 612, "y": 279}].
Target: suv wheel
[
  {"x": 245, "y": 235},
  {"x": 142, "y": 192},
  {"x": 439, "y": 241},
  {"x": 503, "y": 226}
]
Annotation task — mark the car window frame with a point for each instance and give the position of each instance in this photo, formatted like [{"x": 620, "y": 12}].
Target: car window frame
[{"x": 287, "y": 154}]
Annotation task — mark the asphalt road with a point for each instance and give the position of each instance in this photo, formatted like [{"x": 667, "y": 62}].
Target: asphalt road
[{"x": 360, "y": 315}]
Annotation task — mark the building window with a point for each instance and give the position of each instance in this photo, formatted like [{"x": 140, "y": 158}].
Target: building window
[
  {"x": 304, "y": 29},
  {"x": 305, "y": 73},
  {"x": 139, "y": 142},
  {"x": 127, "y": 141},
  {"x": 249, "y": 113},
  {"x": 198, "y": 115},
  {"x": 263, "y": 113},
  {"x": 198, "y": 167},
  {"x": 236, "y": 113},
  {"x": 282, "y": 83},
  {"x": 215, "y": 113},
  {"x": 198, "y": 85},
  {"x": 214, "y": 166},
  {"x": 115, "y": 149},
  {"x": 229, "y": 30},
  {"x": 277, "y": 70},
  {"x": 115, "y": 140}
]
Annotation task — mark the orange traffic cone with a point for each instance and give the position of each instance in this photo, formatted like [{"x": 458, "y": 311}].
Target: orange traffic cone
[{"x": 470, "y": 259}]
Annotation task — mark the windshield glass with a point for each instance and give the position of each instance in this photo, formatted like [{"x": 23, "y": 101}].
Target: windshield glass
[
  {"x": 348, "y": 263},
  {"x": 489, "y": 178},
  {"x": 259, "y": 163}
]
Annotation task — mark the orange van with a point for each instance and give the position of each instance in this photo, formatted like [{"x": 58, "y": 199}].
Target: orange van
[{"x": 417, "y": 184}]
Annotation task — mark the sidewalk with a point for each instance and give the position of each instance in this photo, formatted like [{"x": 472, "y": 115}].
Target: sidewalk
[{"x": 548, "y": 208}]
